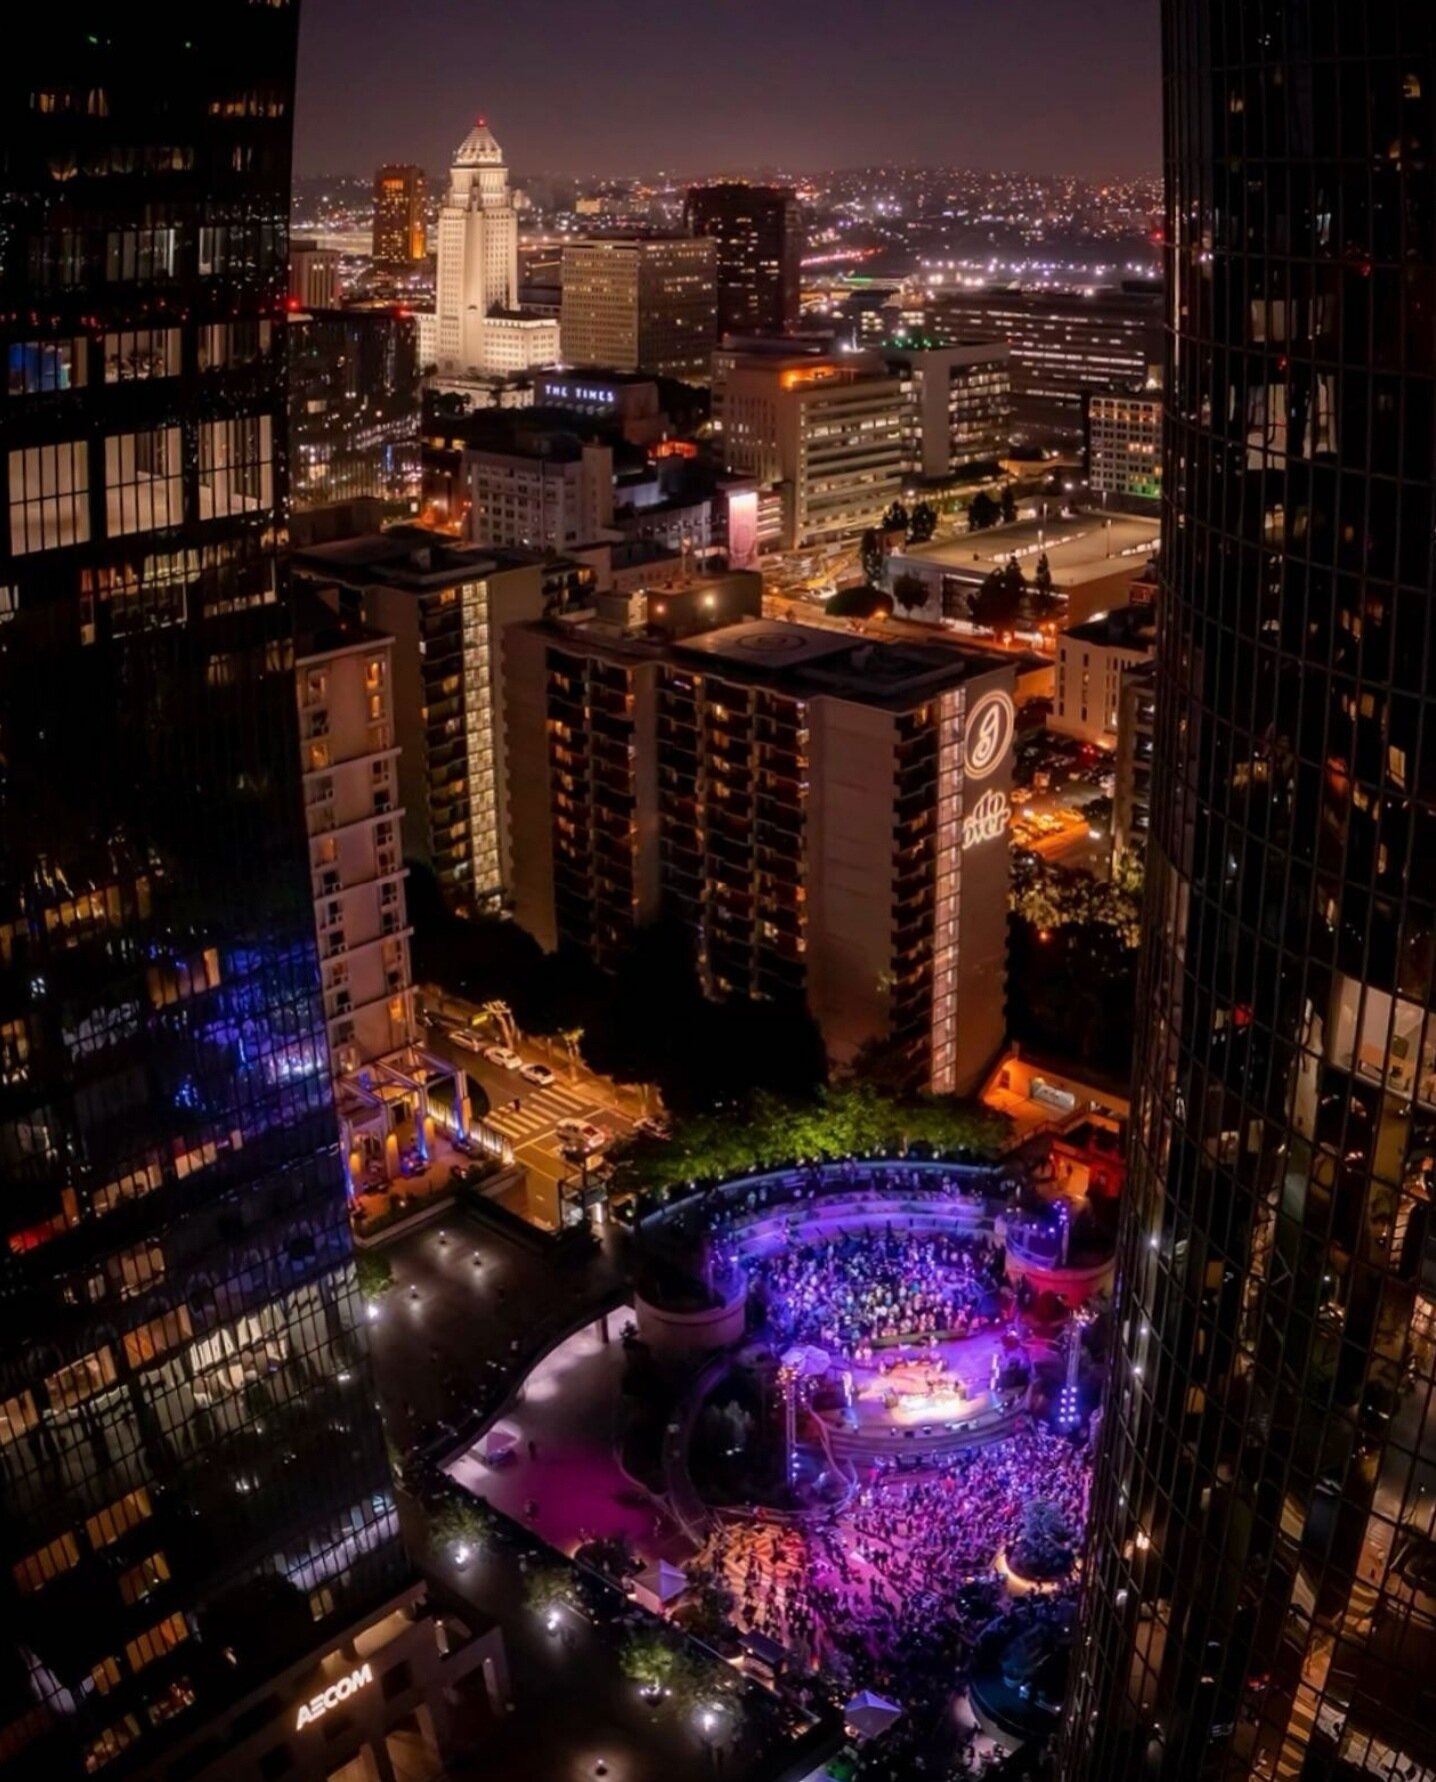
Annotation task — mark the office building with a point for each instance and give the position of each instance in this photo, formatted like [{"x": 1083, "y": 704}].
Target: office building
[
  {"x": 1124, "y": 451},
  {"x": 313, "y": 276},
  {"x": 758, "y": 231},
  {"x": 1092, "y": 657},
  {"x": 400, "y": 224},
  {"x": 197, "y": 1514},
  {"x": 959, "y": 405},
  {"x": 641, "y": 304},
  {"x": 445, "y": 604},
  {"x": 1136, "y": 726},
  {"x": 1064, "y": 344},
  {"x": 827, "y": 816},
  {"x": 1259, "y": 1581},
  {"x": 826, "y": 433},
  {"x": 354, "y": 410},
  {"x": 627, "y": 401},
  {"x": 544, "y": 492},
  {"x": 479, "y": 331}
]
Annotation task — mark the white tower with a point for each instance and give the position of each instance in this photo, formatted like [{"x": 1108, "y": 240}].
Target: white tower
[{"x": 479, "y": 331}]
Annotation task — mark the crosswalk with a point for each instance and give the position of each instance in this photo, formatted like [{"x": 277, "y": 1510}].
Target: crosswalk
[{"x": 540, "y": 1110}]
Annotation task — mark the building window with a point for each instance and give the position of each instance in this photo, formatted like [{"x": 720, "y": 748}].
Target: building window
[
  {"x": 134, "y": 353},
  {"x": 50, "y": 1561},
  {"x": 116, "y": 1519},
  {"x": 38, "y": 366},
  {"x": 143, "y": 488},
  {"x": 139, "y": 254},
  {"x": 111, "y": 1743},
  {"x": 71, "y": 1386},
  {"x": 106, "y": 1675},
  {"x": 142, "y": 1579},
  {"x": 49, "y": 497},
  {"x": 163, "y": 1637},
  {"x": 148, "y": 1341},
  {"x": 236, "y": 471}
]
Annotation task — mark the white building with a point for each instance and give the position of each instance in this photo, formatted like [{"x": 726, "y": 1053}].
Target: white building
[
  {"x": 540, "y": 500},
  {"x": 1091, "y": 660},
  {"x": 829, "y": 435},
  {"x": 1124, "y": 449},
  {"x": 345, "y": 688},
  {"x": 479, "y": 331}
]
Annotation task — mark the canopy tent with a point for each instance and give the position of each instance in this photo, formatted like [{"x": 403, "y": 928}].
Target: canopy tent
[
  {"x": 870, "y": 1714},
  {"x": 498, "y": 1443},
  {"x": 656, "y": 1586}
]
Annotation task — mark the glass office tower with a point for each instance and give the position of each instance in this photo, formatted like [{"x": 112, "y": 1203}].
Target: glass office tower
[
  {"x": 1261, "y": 1580},
  {"x": 193, "y": 1485}
]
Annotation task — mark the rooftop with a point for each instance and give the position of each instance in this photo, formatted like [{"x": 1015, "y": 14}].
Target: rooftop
[
  {"x": 1085, "y": 548},
  {"x": 414, "y": 557},
  {"x": 1125, "y": 627}
]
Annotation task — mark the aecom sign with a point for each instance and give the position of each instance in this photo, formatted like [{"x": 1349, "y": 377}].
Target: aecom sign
[{"x": 319, "y": 1705}]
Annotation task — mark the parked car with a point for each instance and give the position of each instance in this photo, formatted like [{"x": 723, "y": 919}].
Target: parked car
[
  {"x": 653, "y": 1126},
  {"x": 537, "y": 1073},
  {"x": 465, "y": 1040},
  {"x": 581, "y": 1135},
  {"x": 504, "y": 1057}
]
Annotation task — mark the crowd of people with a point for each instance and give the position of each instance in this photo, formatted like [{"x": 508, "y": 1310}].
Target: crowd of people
[
  {"x": 854, "y": 1290},
  {"x": 891, "y": 1592}
]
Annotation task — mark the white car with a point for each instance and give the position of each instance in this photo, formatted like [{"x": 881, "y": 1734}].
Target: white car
[
  {"x": 581, "y": 1135},
  {"x": 539, "y": 1074},
  {"x": 465, "y": 1040},
  {"x": 505, "y": 1058}
]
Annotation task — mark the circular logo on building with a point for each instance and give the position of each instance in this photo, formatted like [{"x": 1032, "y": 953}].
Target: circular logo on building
[{"x": 988, "y": 736}]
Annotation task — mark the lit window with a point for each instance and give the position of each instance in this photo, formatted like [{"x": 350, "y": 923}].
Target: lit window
[
  {"x": 116, "y": 1519},
  {"x": 47, "y": 1562}
]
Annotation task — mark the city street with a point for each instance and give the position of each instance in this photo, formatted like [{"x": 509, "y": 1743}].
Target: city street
[{"x": 532, "y": 1127}]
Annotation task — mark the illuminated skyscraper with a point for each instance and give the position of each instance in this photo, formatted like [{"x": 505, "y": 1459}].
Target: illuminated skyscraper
[
  {"x": 480, "y": 331},
  {"x": 759, "y": 232},
  {"x": 194, "y": 1496},
  {"x": 1261, "y": 1581},
  {"x": 400, "y": 230}
]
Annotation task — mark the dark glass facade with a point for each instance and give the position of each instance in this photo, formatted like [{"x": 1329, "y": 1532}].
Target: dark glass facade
[
  {"x": 354, "y": 408},
  {"x": 193, "y": 1485},
  {"x": 759, "y": 232},
  {"x": 1261, "y": 1580}
]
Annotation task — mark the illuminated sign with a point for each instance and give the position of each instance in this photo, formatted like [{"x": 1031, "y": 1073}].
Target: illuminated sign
[
  {"x": 319, "y": 1705},
  {"x": 988, "y": 818},
  {"x": 988, "y": 736},
  {"x": 581, "y": 393}
]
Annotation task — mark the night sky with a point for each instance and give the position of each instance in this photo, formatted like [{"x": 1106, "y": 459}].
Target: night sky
[{"x": 601, "y": 87}]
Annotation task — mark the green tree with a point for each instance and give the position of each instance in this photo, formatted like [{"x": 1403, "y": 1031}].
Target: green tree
[
  {"x": 1009, "y": 505},
  {"x": 1045, "y": 601},
  {"x": 1046, "y": 1546},
  {"x": 373, "y": 1273},
  {"x": 896, "y": 519},
  {"x": 548, "y": 1587},
  {"x": 458, "y": 1523},
  {"x": 923, "y": 523},
  {"x": 998, "y": 603},
  {"x": 982, "y": 512},
  {"x": 910, "y": 592},
  {"x": 870, "y": 554}
]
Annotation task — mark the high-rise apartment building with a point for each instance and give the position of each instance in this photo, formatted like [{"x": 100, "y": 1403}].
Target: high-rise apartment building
[
  {"x": 445, "y": 604},
  {"x": 1092, "y": 657},
  {"x": 400, "y": 226},
  {"x": 641, "y": 304},
  {"x": 1261, "y": 1576},
  {"x": 759, "y": 235},
  {"x": 828, "y": 816},
  {"x": 1132, "y": 790},
  {"x": 830, "y": 435},
  {"x": 195, "y": 1505},
  {"x": 479, "y": 330}
]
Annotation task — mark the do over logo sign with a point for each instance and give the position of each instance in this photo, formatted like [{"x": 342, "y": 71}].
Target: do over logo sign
[{"x": 319, "y": 1705}]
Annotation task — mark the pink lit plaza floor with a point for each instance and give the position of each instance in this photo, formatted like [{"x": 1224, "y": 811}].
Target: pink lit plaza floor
[{"x": 573, "y": 1481}]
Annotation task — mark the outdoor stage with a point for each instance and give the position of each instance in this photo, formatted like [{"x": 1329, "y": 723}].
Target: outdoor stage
[{"x": 926, "y": 1397}]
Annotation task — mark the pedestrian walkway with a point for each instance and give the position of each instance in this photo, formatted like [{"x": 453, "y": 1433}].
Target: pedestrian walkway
[{"x": 540, "y": 1110}]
